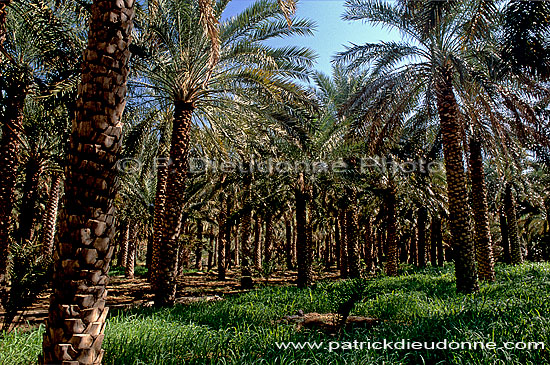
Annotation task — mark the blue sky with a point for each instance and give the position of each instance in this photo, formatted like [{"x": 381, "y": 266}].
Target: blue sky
[{"x": 332, "y": 33}]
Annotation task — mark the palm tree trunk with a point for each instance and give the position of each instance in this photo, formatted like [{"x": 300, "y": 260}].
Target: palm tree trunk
[
  {"x": 436, "y": 242},
  {"x": 482, "y": 238},
  {"x": 212, "y": 248},
  {"x": 199, "y": 247},
  {"x": 165, "y": 287},
  {"x": 512, "y": 223},
  {"x": 421, "y": 222},
  {"x": 343, "y": 244},
  {"x": 392, "y": 259},
  {"x": 246, "y": 274},
  {"x": 337, "y": 243},
  {"x": 505, "y": 243},
  {"x": 257, "y": 242},
  {"x": 369, "y": 246},
  {"x": 222, "y": 245},
  {"x": 50, "y": 218},
  {"x": 160, "y": 198},
  {"x": 304, "y": 252},
  {"x": 354, "y": 268},
  {"x": 131, "y": 255},
  {"x": 27, "y": 216},
  {"x": 75, "y": 326},
  {"x": 124, "y": 244},
  {"x": 9, "y": 163},
  {"x": 268, "y": 239},
  {"x": 288, "y": 248},
  {"x": 459, "y": 209}
]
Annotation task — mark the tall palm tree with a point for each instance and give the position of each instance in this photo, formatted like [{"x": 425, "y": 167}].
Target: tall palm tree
[
  {"x": 183, "y": 67},
  {"x": 432, "y": 61},
  {"x": 77, "y": 313}
]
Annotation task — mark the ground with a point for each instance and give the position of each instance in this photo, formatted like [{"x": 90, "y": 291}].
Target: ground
[{"x": 134, "y": 293}]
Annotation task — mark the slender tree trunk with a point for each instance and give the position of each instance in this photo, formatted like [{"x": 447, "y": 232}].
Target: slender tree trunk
[
  {"x": 228, "y": 229},
  {"x": 268, "y": 239},
  {"x": 512, "y": 223},
  {"x": 75, "y": 327},
  {"x": 413, "y": 249},
  {"x": 131, "y": 256},
  {"x": 124, "y": 246},
  {"x": 212, "y": 248},
  {"x": 9, "y": 163},
  {"x": 246, "y": 274},
  {"x": 304, "y": 252},
  {"x": 505, "y": 243},
  {"x": 199, "y": 247},
  {"x": 237, "y": 248},
  {"x": 328, "y": 249},
  {"x": 421, "y": 222},
  {"x": 337, "y": 239},
  {"x": 257, "y": 242},
  {"x": 165, "y": 287},
  {"x": 50, "y": 218},
  {"x": 222, "y": 245},
  {"x": 160, "y": 197},
  {"x": 343, "y": 244},
  {"x": 392, "y": 260},
  {"x": 354, "y": 268},
  {"x": 369, "y": 246},
  {"x": 27, "y": 216},
  {"x": 288, "y": 248},
  {"x": 436, "y": 242},
  {"x": 403, "y": 246},
  {"x": 459, "y": 209},
  {"x": 482, "y": 237}
]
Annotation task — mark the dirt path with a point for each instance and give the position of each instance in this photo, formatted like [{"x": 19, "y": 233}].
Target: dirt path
[{"x": 128, "y": 293}]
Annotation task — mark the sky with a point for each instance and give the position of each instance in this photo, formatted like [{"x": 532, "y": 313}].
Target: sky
[{"x": 332, "y": 34}]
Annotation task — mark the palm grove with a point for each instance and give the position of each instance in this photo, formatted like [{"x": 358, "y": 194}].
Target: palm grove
[{"x": 165, "y": 133}]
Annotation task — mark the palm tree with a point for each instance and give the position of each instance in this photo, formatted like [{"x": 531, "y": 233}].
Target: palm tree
[
  {"x": 431, "y": 62},
  {"x": 484, "y": 250},
  {"x": 183, "y": 67},
  {"x": 76, "y": 321},
  {"x": 512, "y": 226}
]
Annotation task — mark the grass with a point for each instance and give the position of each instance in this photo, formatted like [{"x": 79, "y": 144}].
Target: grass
[{"x": 419, "y": 305}]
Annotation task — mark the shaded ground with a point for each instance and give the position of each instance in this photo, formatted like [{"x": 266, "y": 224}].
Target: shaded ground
[{"x": 192, "y": 286}]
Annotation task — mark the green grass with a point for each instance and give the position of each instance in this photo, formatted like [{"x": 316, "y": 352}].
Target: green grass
[{"x": 419, "y": 305}]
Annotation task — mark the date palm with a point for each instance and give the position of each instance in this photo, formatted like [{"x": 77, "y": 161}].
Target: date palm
[
  {"x": 431, "y": 60},
  {"x": 178, "y": 67},
  {"x": 76, "y": 322}
]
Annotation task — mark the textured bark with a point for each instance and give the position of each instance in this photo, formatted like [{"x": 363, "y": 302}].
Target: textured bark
[
  {"x": 459, "y": 209},
  {"x": 268, "y": 239},
  {"x": 421, "y": 222},
  {"x": 246, "y": 273},
  {"x": 337, "y": 243},
  {"x": 50, "y": 217},
  {"x": 237, "y": 244},
  {"x": 27, "y": 211},
  {"x": 222, "y": 244},
  {"x": 257, "y": 242},
  {"x": 131, "y": 256},
  {"x": 392, "y": 259},
  {"x": 354, "y": 268},
  {"x": 343, "y": 244},
  {"x": 227, "y": 233},
  {"x": 413, "y": 249},
  {"x": 304, "y": 251},
  {"x": 212, "y": 248},
  {"x": 288, "y": 246},
  {"x": 9, "y": 163},
  {"x": 482, "y": 237},
  {"x": 160, "y": 198},
  {"x": 75, "y": 326},
  {"x": 165, "y": 287},
  {"x": 369, "y": 246},
  {"x": 505, "y": 242},
  {"x": 436, "y": 242},
  {"x": 124, "y": 246},
  {"x": 512, "y": 223},
  {"x": 199, "y": 247}
]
